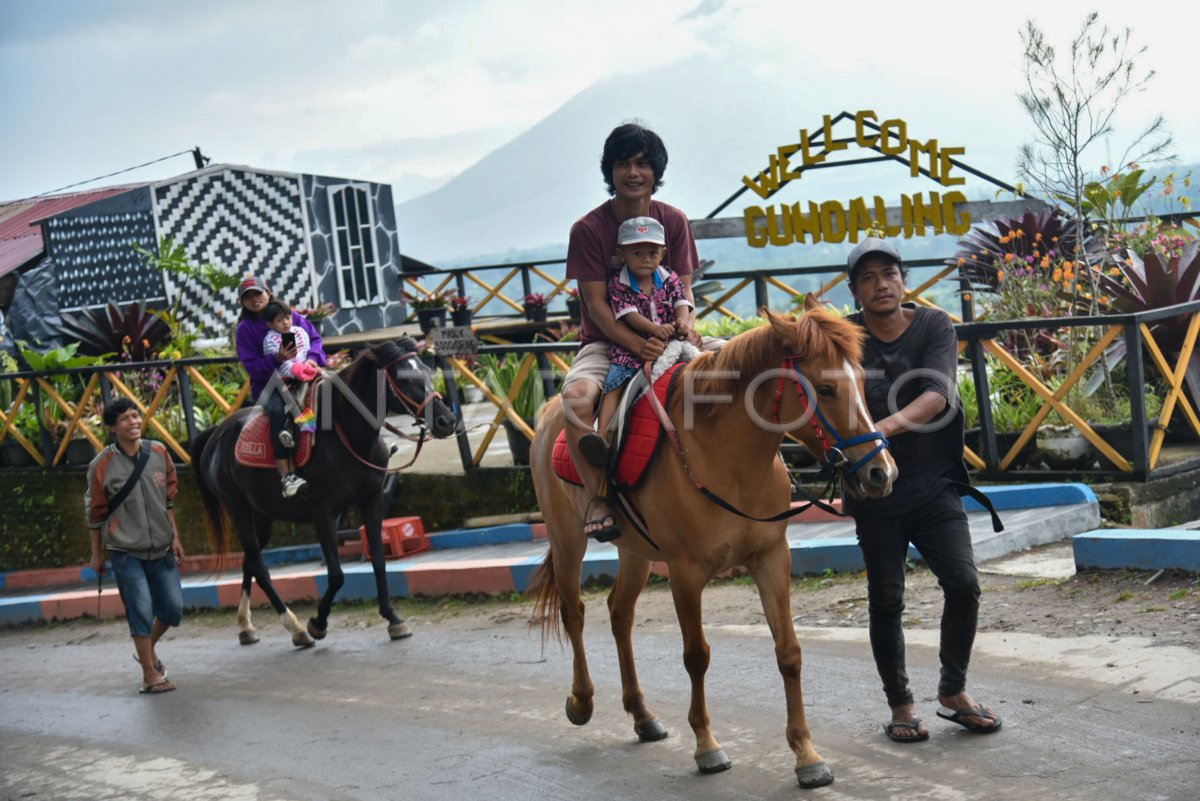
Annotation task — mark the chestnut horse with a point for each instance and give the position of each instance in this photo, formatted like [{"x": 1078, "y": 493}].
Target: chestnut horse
[
  {"x": 797, "y": 374},
  {"x": 347, "y": 467}
]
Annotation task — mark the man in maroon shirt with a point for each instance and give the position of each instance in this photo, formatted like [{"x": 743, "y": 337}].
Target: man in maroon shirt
[{"x": 633, "y": 163}]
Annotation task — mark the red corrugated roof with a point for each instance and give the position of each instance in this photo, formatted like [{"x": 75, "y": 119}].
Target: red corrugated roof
[{"x": 21, "y": 240}]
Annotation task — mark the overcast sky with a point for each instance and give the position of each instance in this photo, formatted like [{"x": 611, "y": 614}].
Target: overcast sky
[{"x": 412, "y": 93}]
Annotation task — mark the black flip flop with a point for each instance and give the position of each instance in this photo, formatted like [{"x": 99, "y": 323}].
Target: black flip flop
[
  {"x": 594, "y": 450},
  {"x": 158, "y": 688},
  {"x": 915, "y": 724},
  {"x": 603, "y": 533},
  {"x": 960, "y": 717}
]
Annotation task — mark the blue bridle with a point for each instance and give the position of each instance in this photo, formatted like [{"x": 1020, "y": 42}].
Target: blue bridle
[{"x": 835, "y": 456}]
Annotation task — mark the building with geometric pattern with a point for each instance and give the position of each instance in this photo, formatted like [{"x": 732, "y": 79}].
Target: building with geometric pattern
[{"x": 312, "y": 238}]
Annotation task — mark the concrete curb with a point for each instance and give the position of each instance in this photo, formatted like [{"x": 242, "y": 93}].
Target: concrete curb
[
  {"x": 500, "y": 559},
  {"x": 1143, "y": 549}
]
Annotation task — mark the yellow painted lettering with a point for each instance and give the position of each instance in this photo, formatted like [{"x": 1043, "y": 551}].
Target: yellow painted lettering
[
  {"x": 859, "y": 218},
  {"x": 929, "y": 148},
  {"x": 808, "y": 158},
  {"x": 931, "y": 212},
  {"x": 860, "y": 130},
  {"x": 806, "y": 225},
  {"x": 833, "y": 221},
  {"x": 831, "y": 144},
  {"x": 900, "y": 127},
  {"x": 881, "y": 219},
  {"x": 755, "y": 236},
  {"x": 776, "y": 236},
  {"x": 956, "y": 223},
  {"x": 947, "y": 166},
  {"x": 906, "y": 216},
  {"x": 768, "y": 181},
  {"x": 785, "y": 174}
]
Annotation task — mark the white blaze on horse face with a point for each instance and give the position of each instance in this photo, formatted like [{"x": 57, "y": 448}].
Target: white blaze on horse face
[{"x": 861, "y": 409}]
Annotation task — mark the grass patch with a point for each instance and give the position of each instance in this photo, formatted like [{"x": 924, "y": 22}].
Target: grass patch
[
  {"x": 1179, "y": 594},
  {"x": 1124, "y": 595},
  {"x": 1030, "y": 584},
  {"x": 1151, "y": 609}
]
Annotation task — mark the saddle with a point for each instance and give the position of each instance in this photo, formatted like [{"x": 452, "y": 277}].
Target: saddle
[
  {"x": 638, "y": 434},
  {"x": 253, "y": 447}
]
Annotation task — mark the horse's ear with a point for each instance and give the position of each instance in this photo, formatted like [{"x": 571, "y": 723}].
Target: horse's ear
[
  {"x": 787, "y": 330},
  {"x": 811, "y": 303},
  {"x": 406, "y": 343}
]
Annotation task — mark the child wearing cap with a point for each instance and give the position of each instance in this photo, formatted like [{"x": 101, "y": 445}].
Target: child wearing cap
[{"x": 650, "y": 299}]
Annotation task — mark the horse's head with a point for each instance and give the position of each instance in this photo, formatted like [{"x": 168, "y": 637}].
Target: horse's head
[
  {"x": 819, "y": 397},
  {"x": 410, "y": 386}
]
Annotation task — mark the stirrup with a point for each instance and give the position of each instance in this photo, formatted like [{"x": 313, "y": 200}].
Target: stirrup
[
  {"x": 594, "y": 450},
  {"x": 286, "y": 439}
]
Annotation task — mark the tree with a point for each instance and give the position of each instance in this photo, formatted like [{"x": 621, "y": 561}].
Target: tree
[{"x": 1072, "y": 106}]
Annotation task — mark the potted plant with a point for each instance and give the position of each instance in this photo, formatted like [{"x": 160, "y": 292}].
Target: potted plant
[
  {"x": 574, "y": 308},
  {"x": 535, "y": 307},
  {"x": 430, "y": 310},
  {"x": 460, "y": 310},
  {"x": 500, "y": 374}
]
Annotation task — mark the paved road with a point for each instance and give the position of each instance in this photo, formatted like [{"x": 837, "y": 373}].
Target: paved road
[{"x": 470, "y": 708}]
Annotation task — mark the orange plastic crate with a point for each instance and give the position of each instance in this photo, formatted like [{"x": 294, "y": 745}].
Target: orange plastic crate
[{"x": 402, "y": 536}]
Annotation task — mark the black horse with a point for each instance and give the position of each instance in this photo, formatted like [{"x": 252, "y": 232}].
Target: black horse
[{"x": 348, "y": 467}]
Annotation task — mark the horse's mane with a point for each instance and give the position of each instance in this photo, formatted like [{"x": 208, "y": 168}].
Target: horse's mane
[
  {"x": 380, "y": 353},
  {"x": 816, "y": 335}
]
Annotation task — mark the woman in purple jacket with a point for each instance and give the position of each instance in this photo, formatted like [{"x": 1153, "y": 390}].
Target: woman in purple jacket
[{"x": 260, "y": 366}]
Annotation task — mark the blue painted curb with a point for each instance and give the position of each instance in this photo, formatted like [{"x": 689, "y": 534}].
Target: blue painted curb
[
  {"x": 14, "y": 611},
  {"x": 1141, "y": 549},
  {"x": 489, "y": 535},
  {"x": 1030, "y": 496}
]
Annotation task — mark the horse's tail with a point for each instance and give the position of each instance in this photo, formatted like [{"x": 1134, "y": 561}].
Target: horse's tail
[
  {"x": 546, "y": 608},
  {"x": 212, "y": 505}
]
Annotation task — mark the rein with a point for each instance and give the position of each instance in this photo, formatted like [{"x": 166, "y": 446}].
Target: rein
[
  {"x": 835, "y": 458},
  {"x": 414, "y": 408}
]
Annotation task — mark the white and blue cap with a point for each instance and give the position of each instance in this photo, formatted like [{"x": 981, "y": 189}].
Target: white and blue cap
[
  {"x": 872, "y": 246},
  {"x": 637, "y": 230}
]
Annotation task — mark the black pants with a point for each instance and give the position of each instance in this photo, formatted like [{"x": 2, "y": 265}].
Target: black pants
[
  {"x": 275, "y": 408},
  {"x": 940, "y": 532}
]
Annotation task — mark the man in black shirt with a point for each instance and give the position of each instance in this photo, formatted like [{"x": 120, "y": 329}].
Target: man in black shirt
[{"x": 910, "y": 362}]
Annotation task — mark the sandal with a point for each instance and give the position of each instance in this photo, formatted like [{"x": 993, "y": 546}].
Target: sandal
[
  {"x": 594, "y": 450},
  {"x": 978, "y": 711},
  {"x": 157, "y": 688},
  {"x": 603, "y": 528},
  {"x": 914, "y": 725}
]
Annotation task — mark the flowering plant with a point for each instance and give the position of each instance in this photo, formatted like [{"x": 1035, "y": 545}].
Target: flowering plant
[
  {"x": 572, "y": 293},
  {"x": 459, "y": 302},
  {"x": 318, "y": 313},
  {"x": 534, "y": 299},
  {"x": 430, "y": 300}
]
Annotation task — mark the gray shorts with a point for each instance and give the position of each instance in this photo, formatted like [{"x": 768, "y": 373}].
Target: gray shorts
[{"x": 591, "y": 362}]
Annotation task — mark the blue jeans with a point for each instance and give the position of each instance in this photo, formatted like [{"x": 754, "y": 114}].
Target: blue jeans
[{"x": 149, "y": 589}]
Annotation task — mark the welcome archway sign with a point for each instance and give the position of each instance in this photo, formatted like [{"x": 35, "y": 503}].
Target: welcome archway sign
[{"x": 864, "y": 140}]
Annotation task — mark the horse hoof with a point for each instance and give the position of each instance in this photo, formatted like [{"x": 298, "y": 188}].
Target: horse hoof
[
  {"x": 714, "y": 761},
  {"x": 399, "y": 631},
  {"x": 651, "y": 731},
  {"x": 301, "y": 640},
  {"x": 247, "y": 637},
  {"x": 577, "y": 718},
  {"x": 317, "y": 633},
  {"x": 817, "y": 774}
]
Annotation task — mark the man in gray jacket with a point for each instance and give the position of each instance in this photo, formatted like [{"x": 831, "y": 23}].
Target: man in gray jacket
[{"x": 131, "y": 488}]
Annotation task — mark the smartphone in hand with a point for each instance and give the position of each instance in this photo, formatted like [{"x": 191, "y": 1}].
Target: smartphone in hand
[{"x": 288, "y": 339}]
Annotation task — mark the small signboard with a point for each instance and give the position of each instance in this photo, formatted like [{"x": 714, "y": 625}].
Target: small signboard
[{"x": 456, "y": 341}]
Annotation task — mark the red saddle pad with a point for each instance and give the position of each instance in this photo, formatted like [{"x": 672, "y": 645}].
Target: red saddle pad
[
  {"x": 253, "y": 448},
  {"x": 642, "y": 434}
]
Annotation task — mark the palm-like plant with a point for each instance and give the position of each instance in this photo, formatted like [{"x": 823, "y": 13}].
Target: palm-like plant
[
  {"x": 1047, "y": 233},
  {"x": 132, "y": 333},
  {"x": 1156, "y": 281}
]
